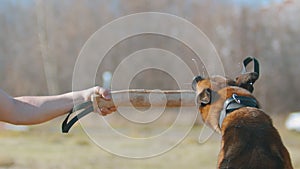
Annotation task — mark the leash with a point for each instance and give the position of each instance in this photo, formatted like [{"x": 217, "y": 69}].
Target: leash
[
  {"x": 236, "y": 102},
  {"x": 85, "y": 109}
]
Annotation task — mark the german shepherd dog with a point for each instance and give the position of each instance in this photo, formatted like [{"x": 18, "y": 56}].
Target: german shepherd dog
[{"x": 249, "y": 139}]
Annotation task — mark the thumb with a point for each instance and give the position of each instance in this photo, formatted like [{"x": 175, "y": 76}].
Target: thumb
[{"x": 105, "y": 93}]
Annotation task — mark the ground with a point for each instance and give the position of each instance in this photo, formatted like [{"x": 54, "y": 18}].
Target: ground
[{"x": 44, "y": 147}]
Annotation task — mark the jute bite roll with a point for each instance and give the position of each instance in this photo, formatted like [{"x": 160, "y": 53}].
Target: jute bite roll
[
  {"x": 147, "y": 98},
  {"x": 136, "y": 97}
]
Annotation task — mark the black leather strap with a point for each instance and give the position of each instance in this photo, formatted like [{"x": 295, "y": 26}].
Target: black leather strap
[
  {"x": 235, "y": 102},
  {"x": 86, "y": 107},
  {"x": 249, "y": 60}
]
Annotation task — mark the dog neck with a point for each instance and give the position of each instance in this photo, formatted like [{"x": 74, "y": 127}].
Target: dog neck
[{"x": 236, "y": 102}]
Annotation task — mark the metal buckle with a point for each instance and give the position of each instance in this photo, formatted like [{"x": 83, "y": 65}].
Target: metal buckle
[{"x": 234, "y": 96}]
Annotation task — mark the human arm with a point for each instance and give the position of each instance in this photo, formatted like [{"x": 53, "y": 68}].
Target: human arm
[{"x": 27, "y": 110}]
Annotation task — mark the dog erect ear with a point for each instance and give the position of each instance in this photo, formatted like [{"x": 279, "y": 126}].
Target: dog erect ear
[
  {"x": 247, "y": 79},
  {"x": 195, "y": 81},
  {"x": 204, "y": 97}
]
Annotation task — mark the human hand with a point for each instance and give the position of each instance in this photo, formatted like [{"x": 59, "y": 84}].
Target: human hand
[{"x": 104, "y": 95}]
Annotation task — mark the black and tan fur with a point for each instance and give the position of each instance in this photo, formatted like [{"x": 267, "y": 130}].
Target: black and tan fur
[{"x": 249, "y": 139}]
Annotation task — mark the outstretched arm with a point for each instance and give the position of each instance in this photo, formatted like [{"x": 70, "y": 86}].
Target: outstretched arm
[{"x": 28, "y": 110}]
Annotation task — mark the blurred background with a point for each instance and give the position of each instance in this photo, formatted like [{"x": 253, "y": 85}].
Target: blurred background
[{"x": 40, "y": 41}]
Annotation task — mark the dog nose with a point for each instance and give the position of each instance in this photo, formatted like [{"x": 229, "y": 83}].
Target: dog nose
[{"x": 195, "y": 81}]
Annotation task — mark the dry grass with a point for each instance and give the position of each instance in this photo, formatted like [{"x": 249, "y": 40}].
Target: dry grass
[{"x": 45, "y": 147}]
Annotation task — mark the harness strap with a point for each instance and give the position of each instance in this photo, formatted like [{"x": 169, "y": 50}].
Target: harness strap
[
  {"x": 236, "y": 102},
  {"x": 249, "y": 60}
]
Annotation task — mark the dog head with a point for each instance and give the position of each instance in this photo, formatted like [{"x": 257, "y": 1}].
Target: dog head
[{"x": 211, "y": 93}]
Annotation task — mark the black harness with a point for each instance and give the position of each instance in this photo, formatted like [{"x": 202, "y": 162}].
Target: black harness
[{"x": 236, "y": 102}]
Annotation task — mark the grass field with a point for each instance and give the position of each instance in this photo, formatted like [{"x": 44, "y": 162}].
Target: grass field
[{"x": 44, "y": 147}]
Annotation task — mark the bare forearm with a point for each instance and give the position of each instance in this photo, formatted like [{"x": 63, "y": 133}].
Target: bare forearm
[{"x": 38, "y": 109}]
